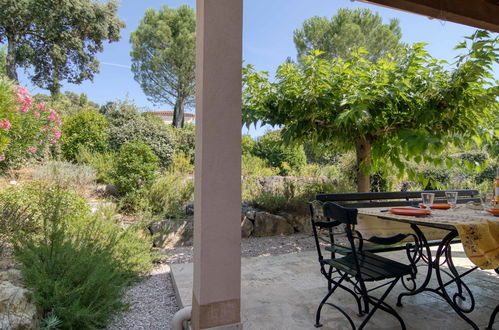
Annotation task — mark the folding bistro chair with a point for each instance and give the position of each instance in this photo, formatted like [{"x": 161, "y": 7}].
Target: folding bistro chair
[{"x": 349, "y": 267}]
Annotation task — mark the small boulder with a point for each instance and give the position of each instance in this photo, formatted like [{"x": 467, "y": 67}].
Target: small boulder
[
  {"x": 111, "y": 190},
  {"x": 17, "y": 310},
  {"x": 267, "y": 224},
  {"x": 180, "y": 234},
  {"x": 246, "y": 228},
  {"x": 189, "y": 208},
  {"x": 161, "y": 226},
  {"x": 300, "y": 223}
]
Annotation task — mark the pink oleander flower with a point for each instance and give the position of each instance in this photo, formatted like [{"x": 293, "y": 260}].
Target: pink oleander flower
[
  {"x": 52, "y": 117},
  {"x": 21, "y": 91},
  {"x": 40, "y": 142},
  {"x": 28, "y": 101},
  {"x": 37, "y": 114},
  {"x": 41, "y": 107},
  {"x": 45, "y": 128},
  {"x": 57, "y": 134},
  {"x": 2, "y": 158},
  {"x": 24, "y": 109},
  {"x": 53, "y": 141},
  {"x": 6, "y": 124},
  {"x": 32, "y": 149},
  {"x": 1, "y": 124},
  {"x": 58, "y": 122}
]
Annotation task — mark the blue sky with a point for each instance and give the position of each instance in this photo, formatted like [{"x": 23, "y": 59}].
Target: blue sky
[{"x": 268, "y": 41}]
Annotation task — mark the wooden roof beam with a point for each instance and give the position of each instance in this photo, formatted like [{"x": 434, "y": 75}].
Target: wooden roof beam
[{"x": 482, "y": 14}]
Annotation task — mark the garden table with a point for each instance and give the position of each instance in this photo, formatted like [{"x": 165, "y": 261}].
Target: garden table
[{"x": 479, "y": 234}]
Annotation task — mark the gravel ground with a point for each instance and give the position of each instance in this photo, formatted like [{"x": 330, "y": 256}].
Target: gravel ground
[{"x": 152, "y": 301}]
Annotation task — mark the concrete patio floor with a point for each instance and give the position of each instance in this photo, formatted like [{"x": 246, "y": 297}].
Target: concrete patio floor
[{"x": 283, "y": 291}]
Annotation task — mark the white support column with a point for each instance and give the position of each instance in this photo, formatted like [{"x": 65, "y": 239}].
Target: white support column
[{"x": 217, "y": 216}]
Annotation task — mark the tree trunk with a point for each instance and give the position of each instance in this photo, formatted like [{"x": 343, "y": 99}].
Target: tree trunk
[
  {"x": 10, "y": 65},
  {"x": 178, "y": 113},
  {"x": 54, "y": 86},
  {"x": 363, "y": 150}
]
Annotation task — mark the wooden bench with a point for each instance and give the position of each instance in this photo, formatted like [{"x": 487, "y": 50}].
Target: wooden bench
[{"x": 393, "y": 199}]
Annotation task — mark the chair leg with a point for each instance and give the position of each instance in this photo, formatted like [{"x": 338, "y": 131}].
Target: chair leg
[
  {"x": 326, "y": 297},
  {"x": 329, "y": 274},
  {"x": 492, "y": 318},
  {"x": 365, "y": 297},
  {"x": 389, "y": 309},
  {"x": 378, "y": 304}
]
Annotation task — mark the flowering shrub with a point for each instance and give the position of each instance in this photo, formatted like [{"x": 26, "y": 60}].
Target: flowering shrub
[
  {"x": 7, "y": 113},
  {"x": 27, "y": 129}
]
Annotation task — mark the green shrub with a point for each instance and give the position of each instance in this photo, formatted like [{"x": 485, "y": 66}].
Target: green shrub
[
  {"x": 271, "y": 201},
  {"x": 135, "y": 167},
  {"x": 431, "y": 177},
  {"x": 127, "y": 125},
  {"x": 476, "y": 157},
  {"x": 65, "y": 174},
  {"x": 14, "y": 219},
  {"x": 247, "y": 144},
  {"x": 27, "y": 196},
  {"x": 320, "y": 154},
  {"x": 271, "y": 148},
  {"x": 309, "y": 190},
  {"x": 86, "y": 129},
  {"x": 280, "y": 198},
  {"x": 181, "y": 163},
  {"x": 169, "y": 194},
  {"x": 488, "y": 174},
  {"x": 185, "y": 140},
  {"x": 67, "y": 103},
  {"x": 102, "y": 162},
  {"x": 255, "y": 166},
  {"x": 78, "y": 267}
]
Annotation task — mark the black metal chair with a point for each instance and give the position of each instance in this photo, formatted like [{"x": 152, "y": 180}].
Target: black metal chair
[{"x": 350, "y": 265}]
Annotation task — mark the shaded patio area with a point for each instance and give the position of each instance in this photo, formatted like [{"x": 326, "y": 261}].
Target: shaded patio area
[{"x": 283, "y": 292}]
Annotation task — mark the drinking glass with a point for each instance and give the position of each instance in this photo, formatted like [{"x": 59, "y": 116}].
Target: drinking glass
[
  {"x": 427, "y": 199},
  {"x": 451, "y": 199},
  {"x": 486, "y": 200}
]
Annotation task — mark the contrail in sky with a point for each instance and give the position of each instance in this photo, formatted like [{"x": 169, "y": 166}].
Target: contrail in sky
[{"x": 117, "y": 65}]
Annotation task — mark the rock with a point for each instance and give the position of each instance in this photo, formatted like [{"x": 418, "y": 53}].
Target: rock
[
  {"x": 300, "y": 223},
  {"x": 248, "y": 210},
  {"x": 267, "y": 224},
  {"x": 179, "y": 234},
  {"x": 246, "y": 228},
  {"x": 111, "y": 190},
  {"x": 251, "y": 215},
  {"x": 161, "y": 226},
  {"x": 12, "y": 275},
  {"x": 189, "y": 208},
  {"x": 17, "y": 310}
]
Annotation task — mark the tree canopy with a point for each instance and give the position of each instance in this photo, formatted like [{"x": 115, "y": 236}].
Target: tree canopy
[
  {"x": 390, "y": 111},
  {"x": 348, "y": 29},
  {"x": 57, "y": 39},
  {"x": 163, "y": 57}
]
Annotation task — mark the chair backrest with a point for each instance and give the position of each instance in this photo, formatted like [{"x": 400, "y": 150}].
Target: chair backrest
[
  {"x": 320, "y": 223},
  {"x": 347, "y": 216},
  {"x": 340, "y": 213},
  {"x": 330, "y": 216}
]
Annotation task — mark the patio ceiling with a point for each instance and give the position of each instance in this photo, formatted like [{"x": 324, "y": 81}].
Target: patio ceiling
[{"x": 483, "y": 14}]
